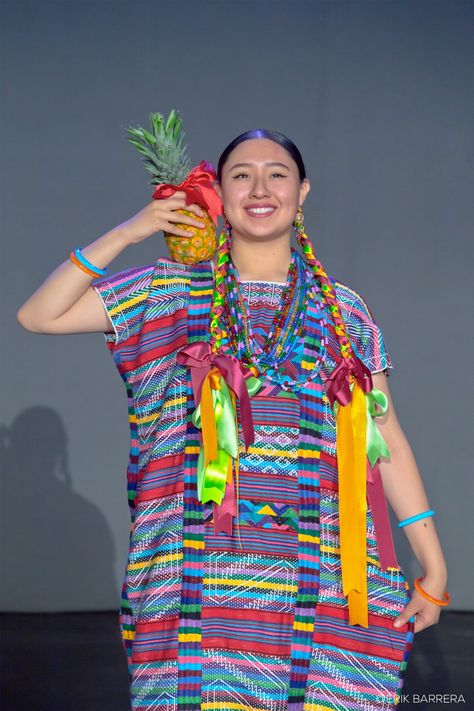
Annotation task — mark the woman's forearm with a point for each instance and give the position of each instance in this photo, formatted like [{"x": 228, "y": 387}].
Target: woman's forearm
[
  {"x": 406, "y": 495},
  {"x": 67, "y": 283},
  {"x": 405, "y": 492}
]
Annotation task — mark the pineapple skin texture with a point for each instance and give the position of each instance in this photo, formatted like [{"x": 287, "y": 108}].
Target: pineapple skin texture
[{"x": 200, "y": 246}]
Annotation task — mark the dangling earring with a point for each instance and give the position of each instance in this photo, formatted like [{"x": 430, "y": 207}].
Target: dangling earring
[
  {"x": 298, "y": 222},
  {"x": 227, "y": 226}
]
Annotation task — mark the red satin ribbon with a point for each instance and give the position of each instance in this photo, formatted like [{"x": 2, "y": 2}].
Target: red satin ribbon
[
  {"x": 378, "y": 504},
  {"x": 198, "y": 356},
  {"x": 199, "y": 189},
  {"x": 338, "y": 383},
  {"x": 225, "y": 512}
]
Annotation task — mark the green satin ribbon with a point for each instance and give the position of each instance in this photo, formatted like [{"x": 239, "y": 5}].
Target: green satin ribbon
[
  {"x": 376, "y": 445},
  {"x": 211, "y": 480}
]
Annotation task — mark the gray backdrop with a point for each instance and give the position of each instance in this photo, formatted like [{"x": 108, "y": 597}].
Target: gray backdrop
[{"x": 377, "y": 95}]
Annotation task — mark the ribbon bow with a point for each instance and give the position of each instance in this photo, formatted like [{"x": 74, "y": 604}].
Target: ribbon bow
[
  {"x": 217, "y": 381},
  {"x": 338, "y": 384},
  {"x": 199, "y": 189}
]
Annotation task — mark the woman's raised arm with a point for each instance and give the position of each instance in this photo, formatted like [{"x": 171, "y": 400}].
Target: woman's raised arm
[{"x": 67, "y": 303}]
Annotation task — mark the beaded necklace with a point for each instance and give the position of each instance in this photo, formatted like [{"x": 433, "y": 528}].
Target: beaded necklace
[
  {"x": 287, "y": 329},
  {"x": 324, "y": 285},
  {"x": 238, "y": 317}
]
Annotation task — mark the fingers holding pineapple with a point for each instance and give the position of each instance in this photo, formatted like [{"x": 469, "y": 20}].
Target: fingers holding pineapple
[
  {"x": 179, "y": 215},
  {"x": 178, "y": 201},
  {"x": 193, "y": 244},
  {"x": 171, "y": 215}
]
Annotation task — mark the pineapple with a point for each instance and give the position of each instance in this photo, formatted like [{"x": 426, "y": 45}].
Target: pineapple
[{"x": 165, "y": 156}]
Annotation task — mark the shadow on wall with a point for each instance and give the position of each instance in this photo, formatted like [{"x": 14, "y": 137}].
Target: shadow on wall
[{"x": 55, "y": 543}]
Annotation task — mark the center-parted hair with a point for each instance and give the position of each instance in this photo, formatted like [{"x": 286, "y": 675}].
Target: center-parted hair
[{"x": 274, "y": 136}]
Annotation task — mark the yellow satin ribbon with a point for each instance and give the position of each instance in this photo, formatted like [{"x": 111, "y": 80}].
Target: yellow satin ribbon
[
  {"x": 208, "y": 417},
  {"x": 351, "y": 433},
  {"x": 352, "y": 421}
]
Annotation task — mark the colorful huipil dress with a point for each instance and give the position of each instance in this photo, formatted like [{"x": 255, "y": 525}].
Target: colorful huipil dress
[{"x": 256, "y": 620}]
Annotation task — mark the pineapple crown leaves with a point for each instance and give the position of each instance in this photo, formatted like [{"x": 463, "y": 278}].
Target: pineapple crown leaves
[{"x": 163, "y": 149}]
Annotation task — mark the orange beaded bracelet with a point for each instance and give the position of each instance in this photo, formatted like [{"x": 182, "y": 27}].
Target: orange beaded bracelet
[{"x": 446, "y": 599}]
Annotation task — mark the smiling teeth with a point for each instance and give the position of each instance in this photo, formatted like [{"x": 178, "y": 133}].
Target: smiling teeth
[{"x": 261, "y": 210}]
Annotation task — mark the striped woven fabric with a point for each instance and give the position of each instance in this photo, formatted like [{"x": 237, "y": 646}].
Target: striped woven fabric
[{"x": 257, "y": 620}]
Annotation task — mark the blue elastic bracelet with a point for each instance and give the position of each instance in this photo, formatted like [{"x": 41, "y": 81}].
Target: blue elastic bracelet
[
  {"x": 88, "y": 264},
  {"x": 424, "y": 514}
]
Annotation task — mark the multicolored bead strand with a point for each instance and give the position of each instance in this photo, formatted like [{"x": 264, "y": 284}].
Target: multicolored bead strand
[
  {"x": 287, "y": 323},
  {"x": 231, "y": 326},
  {"x": 239, "y": 307},
  {"x": 229, "y": 318}
]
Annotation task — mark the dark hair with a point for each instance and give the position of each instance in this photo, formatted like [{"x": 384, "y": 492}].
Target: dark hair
[{"x": 275, "y": 136}]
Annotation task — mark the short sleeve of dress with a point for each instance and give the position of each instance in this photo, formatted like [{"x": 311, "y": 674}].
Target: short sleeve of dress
[
  {"x": 124, "y": 296},
  {"x": 365, "y": 334}
]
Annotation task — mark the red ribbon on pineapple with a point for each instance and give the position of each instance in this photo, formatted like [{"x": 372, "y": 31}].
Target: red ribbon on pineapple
[{"x": 199, "y": 189}]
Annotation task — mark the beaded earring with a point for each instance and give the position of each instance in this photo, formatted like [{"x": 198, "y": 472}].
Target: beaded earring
[{"x": 299, "y": 219}]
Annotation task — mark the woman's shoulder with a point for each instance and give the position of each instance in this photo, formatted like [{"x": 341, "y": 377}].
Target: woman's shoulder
[
  {"x": 166, "y": 270},
  {"x": 140, "y": 294},
  {"x": 162, "y": 273},
  {"x": 362, "y": 328},
  {"x": 350, "y": 301}
]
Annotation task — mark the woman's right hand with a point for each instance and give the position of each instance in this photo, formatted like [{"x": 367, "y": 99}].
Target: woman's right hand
[{"x": 161, "y": 215}]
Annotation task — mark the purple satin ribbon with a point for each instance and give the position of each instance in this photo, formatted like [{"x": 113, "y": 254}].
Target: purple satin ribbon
[
  {"x": 378, "y": 504},
  {"x": 337, "y": 384}
]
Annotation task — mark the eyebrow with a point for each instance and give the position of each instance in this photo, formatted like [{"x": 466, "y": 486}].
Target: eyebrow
[{"x": 245, "y": 165}]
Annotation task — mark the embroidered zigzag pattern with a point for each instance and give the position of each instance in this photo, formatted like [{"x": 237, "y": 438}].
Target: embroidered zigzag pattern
[{"x": 267, "y": 514}]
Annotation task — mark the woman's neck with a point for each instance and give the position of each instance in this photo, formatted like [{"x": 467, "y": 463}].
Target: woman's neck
[{"x": 265, "y": 261}]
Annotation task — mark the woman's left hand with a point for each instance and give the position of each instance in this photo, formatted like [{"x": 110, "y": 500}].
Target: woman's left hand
[{"x": 426, "y": 613}]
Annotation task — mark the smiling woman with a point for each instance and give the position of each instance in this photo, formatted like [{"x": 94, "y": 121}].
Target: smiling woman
[
  {"x": 260, "y": 203},
  {"x": 257, "y": 396}
]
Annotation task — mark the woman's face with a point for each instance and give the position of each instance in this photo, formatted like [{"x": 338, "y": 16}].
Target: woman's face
[{"x": 260, "y": 189}]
